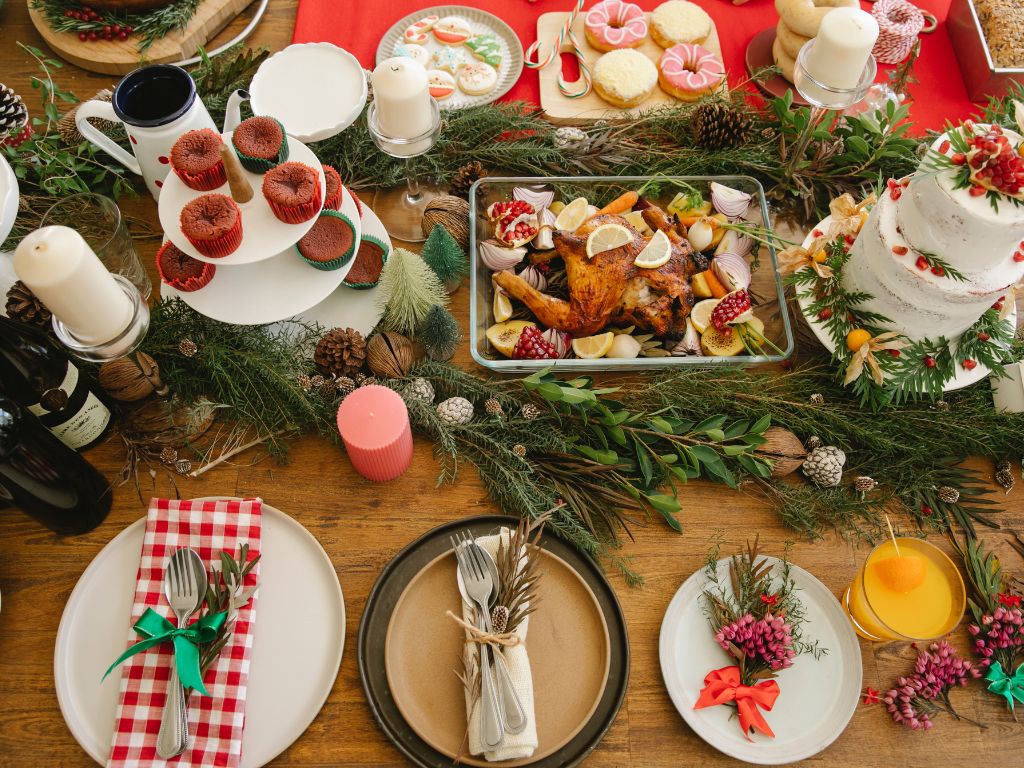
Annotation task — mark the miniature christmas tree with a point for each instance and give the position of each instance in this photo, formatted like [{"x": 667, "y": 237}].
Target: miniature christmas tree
[
  {"x": 446, "y": 257},
  {"x": 439, "y": 333},
  {"x": 408, "y": 289}
]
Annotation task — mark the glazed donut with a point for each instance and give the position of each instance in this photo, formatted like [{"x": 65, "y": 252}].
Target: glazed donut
[
  {"x": 790, "y": 41},
  {"x": 804, "y": 16},
  {"x": 613, "y": 24},
  {"x": 783, "y": 60},
  {"x": 687, "y": 71}
]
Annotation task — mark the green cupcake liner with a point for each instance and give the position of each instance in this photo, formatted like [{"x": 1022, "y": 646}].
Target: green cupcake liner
[
  {"x": 383, "y": 260},
  {"x": 341, "y": 261},
  {"x": 261, "y": 164}
]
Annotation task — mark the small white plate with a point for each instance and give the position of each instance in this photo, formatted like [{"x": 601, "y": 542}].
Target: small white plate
[
  {"x": 316, "y": 90},
  {"x": 263, "y": 234},
  {"x": 962, "y": 378},
  {"x": 8, "y": 198},
  {"x": 296, "y": 652},
  {"x": 817, "y": 699},
  {"x": 271, "y": 290}
]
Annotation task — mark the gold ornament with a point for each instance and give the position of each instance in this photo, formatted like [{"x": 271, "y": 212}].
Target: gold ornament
[
  {"x": 389, "y": 355},
  {"x": 450, "y": 212},
  {"x": 783, "y": 449},
  {"x": 132, "y": 378}
]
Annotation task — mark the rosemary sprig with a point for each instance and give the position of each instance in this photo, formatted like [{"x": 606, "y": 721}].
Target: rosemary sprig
[
  {"x": 227, "y": 591},
  {"x": 150, "y": 26}
]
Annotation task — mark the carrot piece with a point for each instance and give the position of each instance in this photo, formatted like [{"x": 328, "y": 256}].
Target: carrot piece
[
  {"x": 717, "y": 289},
  {"x": 622, "y": 203}
]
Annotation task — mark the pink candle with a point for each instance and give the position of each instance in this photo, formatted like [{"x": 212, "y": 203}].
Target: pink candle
[{"x": 374, "y": 424}]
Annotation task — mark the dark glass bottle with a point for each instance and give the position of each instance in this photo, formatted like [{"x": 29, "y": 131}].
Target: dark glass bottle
[
  {"x": 41, "y": 378},
  {"x": 44, "y": 478}
]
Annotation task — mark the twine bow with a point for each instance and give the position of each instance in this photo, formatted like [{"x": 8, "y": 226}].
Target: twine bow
[
  {"x": 478, "y": 636},
  {"x": 723, "y": 685},
  {"x": 865, "y": 355},
  {"x": 1010, "y": 687},
  {"x": 155, "y": 629}
]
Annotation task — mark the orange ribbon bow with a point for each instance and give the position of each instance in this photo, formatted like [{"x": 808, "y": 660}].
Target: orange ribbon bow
[{"x": 723, "y": 685}]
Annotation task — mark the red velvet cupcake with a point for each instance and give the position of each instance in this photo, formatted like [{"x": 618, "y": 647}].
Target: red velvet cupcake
[
  {"x": 293, "y": 192},
  {"x": 334, "y": 185},
  {"x": 330, "y": 244},
  {"x": 181, "y": 271},
  {"x": 358, "y": 202},
  {"x": 260, "y": 143},
  {"x": 213, "y": 224},
  {"x": 195, "y": 158}
]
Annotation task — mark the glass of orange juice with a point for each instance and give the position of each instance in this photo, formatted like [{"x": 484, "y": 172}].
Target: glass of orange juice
[{"x": 907, "y": 589}]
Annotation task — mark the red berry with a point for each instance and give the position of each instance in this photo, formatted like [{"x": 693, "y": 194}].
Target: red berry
[
  {"x": 929, "y": 361},
  {"x": 983, "y": 336},
  {"x": 959, "y": 158},
  {"x": 92, "y": 36},
  {"x": 921, "y": 263},
  {"x": 938, "y": 271},
  {"x": 106, "y": 29},
  {"x": 926, "y": 510},
  {"x": 122, "y": 35},
  {"x": 82, "y": 36},
  {"x": 129, "y": 30},
  {"x": 533, "y": 346},
  {"x": 900, "y": 250},
  {"x": 825, "y": 314},
  {"x": 894, "y": 352},
  {"x": 968, "y": 364}
]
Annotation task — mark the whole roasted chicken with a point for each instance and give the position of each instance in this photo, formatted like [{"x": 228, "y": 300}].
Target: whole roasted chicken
[{"x": 610, "y": 289}]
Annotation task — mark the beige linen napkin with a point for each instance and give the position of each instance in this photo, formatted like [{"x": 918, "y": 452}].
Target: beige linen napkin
[{"x": 517, "y": 660}]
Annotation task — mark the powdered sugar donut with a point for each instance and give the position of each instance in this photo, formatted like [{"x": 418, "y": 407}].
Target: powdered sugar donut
[
  {"x": 478, "y": 78},
  {"x": 417, "y": 31},
  {"x": 625, "y": 78},
  {"x": 452, "y": 30},
  {"x": 615, "y": 24},
  {"x": 413, "y": 51},
  {"x": 790, "y": 41},
  {"x": 679, "y": 21},
  {"x": 689, "y": 71},
  {"x": 804, "y": 16},
  {"x": 440, "y": 84}
]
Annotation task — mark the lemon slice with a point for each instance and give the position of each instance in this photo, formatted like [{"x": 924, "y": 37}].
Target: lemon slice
[
  {"x": 502, "y": 306},
  {"x": 607, "y": 237},
  {"x": 593, "y": 347},
  {"x": 572, "y": 216},
  {"x": 700, "y": 315},
  {"x": 655, "y": 253}
]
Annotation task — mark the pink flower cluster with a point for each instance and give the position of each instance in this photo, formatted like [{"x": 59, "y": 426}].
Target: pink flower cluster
[
  {"x": 936, "y": 671},
  {"x": 769, "y": 639},
  {"x": 1003, "y": 630}
]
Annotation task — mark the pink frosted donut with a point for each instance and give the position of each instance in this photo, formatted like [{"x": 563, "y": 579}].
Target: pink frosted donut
[
  {"x": 615, "y": 24},
  {"x": 687, "y": 71}
]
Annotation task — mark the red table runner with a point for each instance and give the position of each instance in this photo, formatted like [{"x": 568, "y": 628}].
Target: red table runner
[{"x": 359, "y": 26}]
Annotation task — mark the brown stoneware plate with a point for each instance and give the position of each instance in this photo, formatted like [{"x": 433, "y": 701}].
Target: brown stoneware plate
[{"x": 759, "y": 54}]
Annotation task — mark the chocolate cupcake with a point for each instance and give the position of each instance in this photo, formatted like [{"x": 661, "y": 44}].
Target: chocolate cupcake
[
  {"x": 260, "y": 143},
  {"x": 213, "y": 224},
  {"x": 331, "y": 242},
  {"x": 370, "y": 260},
  {"x": 195, "y": 158},
  {"x": 332, "y": 199},
  {"x": 293, "y": 192},
  {"x": 181, "y": 271}
]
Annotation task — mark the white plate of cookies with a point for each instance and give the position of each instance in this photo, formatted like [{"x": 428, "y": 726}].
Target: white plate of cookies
[{"x": 472, "y": 57}]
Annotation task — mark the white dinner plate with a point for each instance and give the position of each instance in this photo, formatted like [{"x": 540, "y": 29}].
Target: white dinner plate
[
  {"x": 817, "y": 699},
  {"x": 962, "y": 378},
  {"x": 263, "y": 234},
  {"x": 271, "y": 290},
  {"x": 9, "y": 194},
  {"x": 296, "y": 653}
]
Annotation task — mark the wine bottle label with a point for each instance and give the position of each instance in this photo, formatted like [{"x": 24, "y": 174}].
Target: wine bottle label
[{"x": 72, "y": 412}]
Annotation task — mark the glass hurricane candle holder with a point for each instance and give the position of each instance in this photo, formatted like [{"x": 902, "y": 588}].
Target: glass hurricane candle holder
[
  {"x": 126, "y": 342},
  {"x": 401, "y": 209}
]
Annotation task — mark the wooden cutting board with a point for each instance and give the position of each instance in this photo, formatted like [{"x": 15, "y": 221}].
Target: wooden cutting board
[
  {"x": 560, "y": 109},
  {"x": 121, "y": 57}
]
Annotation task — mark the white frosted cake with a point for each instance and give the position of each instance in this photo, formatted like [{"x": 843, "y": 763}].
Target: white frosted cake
[{"x": 897, "y": 255}]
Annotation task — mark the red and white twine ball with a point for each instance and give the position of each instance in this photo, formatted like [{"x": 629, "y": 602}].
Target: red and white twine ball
[{"x": 899, "y": 24}]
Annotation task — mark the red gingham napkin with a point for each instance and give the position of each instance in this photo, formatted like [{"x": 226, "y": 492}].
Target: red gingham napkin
[{"x": 215, "y": 722}]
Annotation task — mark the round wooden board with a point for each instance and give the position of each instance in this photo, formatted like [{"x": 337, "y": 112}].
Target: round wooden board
[{"x": 121, "y": 57}]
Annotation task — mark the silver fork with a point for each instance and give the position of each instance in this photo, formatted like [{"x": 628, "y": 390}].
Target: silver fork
[
  {"x": 185, "y": 594},
  {"x": 478, "y": 585}
]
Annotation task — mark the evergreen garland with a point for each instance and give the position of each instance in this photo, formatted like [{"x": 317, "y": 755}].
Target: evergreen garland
[
  {"x": 407, "y": 290},
  {"x": 445, "y": 256},
  {"x": 439, "y": 333}
]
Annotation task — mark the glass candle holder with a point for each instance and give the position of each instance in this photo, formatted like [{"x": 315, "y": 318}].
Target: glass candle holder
[
  {"x": 121, "y": 345},
  {"x": 401, "y": 209},
  {"x": 821, "y": 94}
]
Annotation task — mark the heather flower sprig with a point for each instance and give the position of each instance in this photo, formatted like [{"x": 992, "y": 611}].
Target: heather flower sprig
[{"x": 926, "y": 691}]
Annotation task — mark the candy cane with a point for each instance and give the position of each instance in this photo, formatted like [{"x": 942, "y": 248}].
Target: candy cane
[{"x": 581, "y": 87}]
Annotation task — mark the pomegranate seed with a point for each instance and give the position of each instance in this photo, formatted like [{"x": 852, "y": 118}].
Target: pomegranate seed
[
  {"x": 969, "y": 365},
  {"x": 959, "y": 158},
  {"x": 921, "y": 263},
  {"x": 900, "y": 250},
  {"x": 825, "y": 314},
  {"x": 929, "y": 361},
  {"x": 977, "y": 191},
  {"x": 938, "y": 271},
  {"x": 817, "y": 233},
  {"x": 944, "y": 147},
  {"x": 983, "y": 336}
]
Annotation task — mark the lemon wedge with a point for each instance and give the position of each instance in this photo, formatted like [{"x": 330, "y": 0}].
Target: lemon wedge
[
  {"x": 607, "y": 237},
  {"x": 502, "y": 306},
  {"x": 593, "y": 347},
  {"x": 700, "y": 315},
  {"x": 656, "y": 253},
  {"x": 504, "y": 336},
  {"x": 636, "y": 221},
  {"x": 572, "y": 216},
  {"x": 901, "y": 574}
]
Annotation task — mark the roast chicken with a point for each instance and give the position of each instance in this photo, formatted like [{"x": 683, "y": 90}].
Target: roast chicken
[{"x": 610, "y": 289}]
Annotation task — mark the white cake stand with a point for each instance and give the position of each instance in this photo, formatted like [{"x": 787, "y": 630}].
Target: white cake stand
[
  {"x": 962, "y": 378},
  {"x": 264, "y": 236}
]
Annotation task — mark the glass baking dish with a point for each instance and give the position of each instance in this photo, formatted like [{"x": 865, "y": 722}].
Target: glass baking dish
[{"x": 766, "y": 284}]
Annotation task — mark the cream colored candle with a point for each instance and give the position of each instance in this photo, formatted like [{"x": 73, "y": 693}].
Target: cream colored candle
[
  {"x": 842, "y": 47},
  {"x": 61, "y": 269},
  {"x": 402, "y": 98}
]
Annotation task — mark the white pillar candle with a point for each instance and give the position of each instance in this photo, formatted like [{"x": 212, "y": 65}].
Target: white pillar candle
[
  {"x": 842, "y": 47},
  {"x": 61, "y": 269},
  {"x": 402, "y": 98}
]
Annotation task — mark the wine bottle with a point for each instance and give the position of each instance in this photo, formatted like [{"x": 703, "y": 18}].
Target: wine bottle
[
  {"x": 45, "y": 478},
  {"x": 41, "y": 378}
]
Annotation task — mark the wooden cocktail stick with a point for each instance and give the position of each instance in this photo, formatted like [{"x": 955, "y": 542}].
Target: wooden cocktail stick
[
  {"x": 241, "y": 189},
  {"x": 893, "y": 535}
]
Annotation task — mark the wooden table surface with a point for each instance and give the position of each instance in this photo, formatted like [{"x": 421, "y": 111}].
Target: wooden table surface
[{"x": 362, "y": 526}]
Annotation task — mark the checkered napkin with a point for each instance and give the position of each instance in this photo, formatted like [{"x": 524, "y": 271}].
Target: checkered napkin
[{"x": 215, "y": 722}]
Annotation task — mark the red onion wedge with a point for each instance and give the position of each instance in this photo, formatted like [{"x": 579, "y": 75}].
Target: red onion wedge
[
  {"x": 729, "y": 201},
  {"x": 732, "y": 271}
]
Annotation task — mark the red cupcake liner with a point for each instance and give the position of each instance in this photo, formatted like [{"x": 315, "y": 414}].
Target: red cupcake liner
[
  {"x": 221, "y": 246},
  {"x": 190, "y": 284},
  {"x": 333, "y": 202},
  {"x": 296, "y": 214},
  {"x": 210, "y": 179},
  {"x": 359, "y": 203}
]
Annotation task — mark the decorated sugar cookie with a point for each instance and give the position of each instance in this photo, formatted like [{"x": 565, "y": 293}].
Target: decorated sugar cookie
[
  {"x": 452, "y": 30},
  {"x": 478, "y": 78},
  {"x": 413, "y": 51},
  {"x": 417, "y": 31},
  {"x": 486, "y": 48},
  {"x": 450, "y": 59},
  {"x": 440, "y": 84}
]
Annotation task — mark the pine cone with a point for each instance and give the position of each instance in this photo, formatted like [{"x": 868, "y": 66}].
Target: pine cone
[
  {"x": 816, "y": 399},
  {"x": 824, "y": 466},
  {"x": 345, "y": 386},
  {"x": 499, "y": 619},
  {"x": 948, "y": 494},
  {"x": 493, "y": 407},
  {"x": 341, "y": 352},
  {"x": 13, "y": 117},
  {"x": 519, "y": 450},
  {"x": 187, "y": 347},
  {"x": 23, "y": 306},
  {"x": 864, "y": 484},
  {"x": 169, "y": 455},
  {"x": 814, "y": 442},
  {"x": 530, "y": 411},
  {"x": 1005, "y": 479},
  {"x": 717, "y": 126},
  {"x": 464, "y": 178}
]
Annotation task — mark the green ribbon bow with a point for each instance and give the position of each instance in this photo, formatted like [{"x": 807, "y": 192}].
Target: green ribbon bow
[
  {"x": 1007, "y": 686},
  {"x": 156, "y": 629}
]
